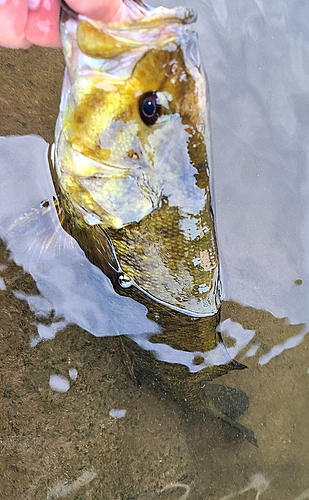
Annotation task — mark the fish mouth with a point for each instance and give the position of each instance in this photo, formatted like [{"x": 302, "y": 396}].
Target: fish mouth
[
  {"x": 80, "y": 165},
  {"x": 104, "y": 193}
]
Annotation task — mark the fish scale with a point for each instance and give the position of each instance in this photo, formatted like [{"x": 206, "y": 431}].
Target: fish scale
[{"x": 155, "y": 265}]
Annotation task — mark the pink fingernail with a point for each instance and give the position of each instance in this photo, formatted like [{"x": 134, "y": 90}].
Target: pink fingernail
[
  {"x": 33, "y": 4},
  {"x": 44, "y": 26}
]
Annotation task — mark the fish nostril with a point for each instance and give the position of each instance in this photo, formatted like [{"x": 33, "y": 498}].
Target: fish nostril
[{"x": 132, "y": 154}]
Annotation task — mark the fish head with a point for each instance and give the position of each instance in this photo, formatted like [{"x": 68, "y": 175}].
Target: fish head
[
  {"x": 133, "y": 120},
  {"x": 133, "y": 150}
]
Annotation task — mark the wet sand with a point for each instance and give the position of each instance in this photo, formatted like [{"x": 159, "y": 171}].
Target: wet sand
[{"x": 30, "y": 90}]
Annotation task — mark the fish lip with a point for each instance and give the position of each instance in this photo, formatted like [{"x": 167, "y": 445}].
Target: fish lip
[
  {"x": 78, "y": 155},
  {"x": 110, "y": 170},
  {"x": 104, "y": 168},
  {"x": 95, "y": 175}
]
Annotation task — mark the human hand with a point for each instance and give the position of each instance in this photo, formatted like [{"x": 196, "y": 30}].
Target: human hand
[{"x": 24, "y": 22}]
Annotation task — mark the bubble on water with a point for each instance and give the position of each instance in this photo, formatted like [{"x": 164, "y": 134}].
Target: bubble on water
[
  {"x": 59, "y": 383},
  {"x": 252, "y": 351},
  {"x": 117, "y": 413},
  {"x": 73, "y": 373}
]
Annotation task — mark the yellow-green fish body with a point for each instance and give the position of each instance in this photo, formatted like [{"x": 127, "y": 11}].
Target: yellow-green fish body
[{"x": 132, "y": 155}]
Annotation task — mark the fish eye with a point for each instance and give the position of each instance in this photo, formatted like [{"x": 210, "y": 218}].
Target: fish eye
[{"x": 149, "y": 108}]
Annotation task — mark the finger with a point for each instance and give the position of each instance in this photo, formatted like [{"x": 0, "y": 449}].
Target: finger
[
  {"x": 13, "y": 19},
  {"x": 102, "y": 10},
  {"x": 43, "y": 24}
]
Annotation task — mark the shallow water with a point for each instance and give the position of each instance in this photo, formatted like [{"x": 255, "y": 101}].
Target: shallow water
[{"x": 73, "y": 423}]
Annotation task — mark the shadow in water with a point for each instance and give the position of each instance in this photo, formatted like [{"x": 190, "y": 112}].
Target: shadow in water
[{"x": 182, "y": 360}]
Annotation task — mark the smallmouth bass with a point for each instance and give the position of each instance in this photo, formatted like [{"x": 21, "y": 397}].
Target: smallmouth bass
[
  {"x": 132, "y": 154},
  {"x": 132, "y": 174}
]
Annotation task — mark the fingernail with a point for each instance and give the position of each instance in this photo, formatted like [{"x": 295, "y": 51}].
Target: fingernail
[
  {"x": 47, "y": 5},
  {"x": 44, "y": 26},
  {"x": 33, "y": 4}
]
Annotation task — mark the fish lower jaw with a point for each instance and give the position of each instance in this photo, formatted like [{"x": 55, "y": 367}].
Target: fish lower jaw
[{"x": 209, "y": 309}]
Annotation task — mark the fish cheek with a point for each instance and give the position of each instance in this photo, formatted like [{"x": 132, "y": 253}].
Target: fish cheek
[
  {"x": 81, "y": 126},
  {"x": 92, "y": 115}
]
